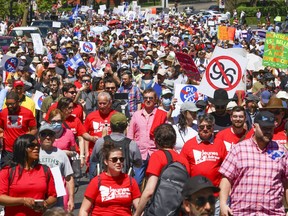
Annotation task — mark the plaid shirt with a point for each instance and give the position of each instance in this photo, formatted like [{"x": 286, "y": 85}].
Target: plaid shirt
[
  {"x": 257, "y": 178},
  {"x": 134, "y": 97}
]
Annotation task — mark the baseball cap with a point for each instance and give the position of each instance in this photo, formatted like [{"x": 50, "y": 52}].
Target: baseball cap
[
  {"x": 18, "y": 83},
  {"x": 230, "y": 105},
  {"x": 166, "y": 92},
  {"x": 59, "y": 56},
  {"x": 189, "y": 106},
  {"x": 196, "y": 184},
  {"x": 46, "y": 127},
  {"x": 161, "y": 72},
  {"x": 251, "y": 97},
  {"x": 265, "y": 96},
  {"x": 265, "y": 119},
  {"x": 118, "y": 118},
  {"x": 282, "y": 94}
]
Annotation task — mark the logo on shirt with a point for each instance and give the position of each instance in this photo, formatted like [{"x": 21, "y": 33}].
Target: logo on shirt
[
  {"x": 108, "y": 193},
  {"x": 203, "y": 156},
  {"x": 99, "y": 126},
  {"x": 14, "y": 121}
]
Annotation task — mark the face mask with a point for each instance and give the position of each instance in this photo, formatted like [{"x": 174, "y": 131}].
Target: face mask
[
  {"x": 248, "y": 85},
  {"x": 169, "y": 74},
  {"x": 166, "y": 102},
  {"x": 57, "y": 128}
]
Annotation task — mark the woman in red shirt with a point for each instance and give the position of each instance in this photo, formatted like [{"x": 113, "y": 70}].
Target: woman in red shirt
[
  {"x": 27, "y": 187},
  {"x": 112, "y": 192}
]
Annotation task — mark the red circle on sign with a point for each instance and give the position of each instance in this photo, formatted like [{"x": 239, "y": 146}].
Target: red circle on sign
[{"x": 216, "y": 60}]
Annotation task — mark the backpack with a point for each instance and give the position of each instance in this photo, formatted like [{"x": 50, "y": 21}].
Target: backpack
[
  {"x": 167, "y": 197},
  {"x": 124, "y": 145}
]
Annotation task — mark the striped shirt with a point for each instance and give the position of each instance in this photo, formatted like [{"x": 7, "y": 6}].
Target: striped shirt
[{"x": 257, "y": 177}]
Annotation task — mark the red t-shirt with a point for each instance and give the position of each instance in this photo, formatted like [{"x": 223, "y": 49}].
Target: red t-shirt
[
  {"x": 15, "y": 125},
  {"x": 205, "y": 159},
  {"x": 95, "y": 123},
  {"x": 158, "y": 161},
  {"x": 279, "y": 135},
  {"x": 32, "y": 184},
  {"x": 77, "y": 111},
  {"x": 115, "y": 194},
  {"x": 78, "y": 84},
  {"x": 229, "y": 138},
  {"x": 75, "y": 125}
]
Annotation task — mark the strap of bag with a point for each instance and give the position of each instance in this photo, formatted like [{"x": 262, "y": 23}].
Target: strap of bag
[{"x": 168, "y": 156}]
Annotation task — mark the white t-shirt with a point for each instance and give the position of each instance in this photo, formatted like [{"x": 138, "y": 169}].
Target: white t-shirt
[{"x": 183, "y": 138}]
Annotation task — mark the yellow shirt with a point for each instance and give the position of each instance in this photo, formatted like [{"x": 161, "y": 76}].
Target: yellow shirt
[{"x": 27, "y": 103}]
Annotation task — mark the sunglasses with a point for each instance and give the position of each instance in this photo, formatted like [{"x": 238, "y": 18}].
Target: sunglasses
[
  {"x": 275, "y": 112},
  {"x": 10, "y": 104},
  {"x": 110, "y": 88},
  {"x": 201, "y": 127},
  {"x": 201, "y": 201},
  {"x": 33, "y": 145},
  {"x": 72, "y": 92},
  {"x": 148, "y": 98},
  {"x": 115, "y": 159},
  {"x": 220, "y": 107},
  {"x": 56, "y": 121},
  {"x": 84, "y": 81},
  {"x": 47, "y": 133}
]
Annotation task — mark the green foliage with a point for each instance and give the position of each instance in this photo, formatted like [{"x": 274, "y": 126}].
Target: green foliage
[{"x": 273, "y": 10}]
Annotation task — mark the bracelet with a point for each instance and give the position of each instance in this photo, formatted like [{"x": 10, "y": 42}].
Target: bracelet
[{"x": 82, "y": 156}]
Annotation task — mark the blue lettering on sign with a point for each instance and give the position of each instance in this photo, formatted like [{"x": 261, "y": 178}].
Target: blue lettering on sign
[
  {"x": 11, "y": 64},
  {"x": 189, "y": 93},
  {"x": 40, "y": 101},
  {"x": 87, "y": 47}
]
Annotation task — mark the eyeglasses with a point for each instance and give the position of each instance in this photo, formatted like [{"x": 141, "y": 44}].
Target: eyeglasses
[
  {"x": 201, "y": 201},
  {"x": 115, "y": 159},
  {"x": 56, "y": 121},
  {"x": 110, "y": 88},
  {"x": 10, "y": 104},
  {"x": 148, "y": 98},
  {"x": 72, "y": 92},
  {"x": 47, "y": 133},
  {"x": 201, "y": 127},
  {"x": 33, "y": 145},
  {"x": 84, "y": 81}
]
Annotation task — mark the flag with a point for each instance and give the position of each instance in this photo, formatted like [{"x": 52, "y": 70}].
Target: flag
[
  {"x": 74, "y": 62},
  {"x": 75, "y": 13}
]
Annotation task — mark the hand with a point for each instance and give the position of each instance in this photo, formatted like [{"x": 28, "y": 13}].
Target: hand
[
  {"x": 82, "y": 162},
  {"x": 94, "y": 138},
  {"x": 225, "y": 210},
  {"x": 70, "y": 204},
  {"x": 29, "y": 202}
]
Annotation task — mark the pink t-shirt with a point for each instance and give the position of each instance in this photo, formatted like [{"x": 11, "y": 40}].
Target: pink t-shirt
[{"x": 66, "y": 141}]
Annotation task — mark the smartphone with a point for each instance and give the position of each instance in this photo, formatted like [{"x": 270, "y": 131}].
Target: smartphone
[{"x": 39, "y": 202}]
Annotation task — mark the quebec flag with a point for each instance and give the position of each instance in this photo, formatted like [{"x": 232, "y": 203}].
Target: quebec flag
[
  {"x": 75, "y": 13},
  {"x": 75, "y": 62}
]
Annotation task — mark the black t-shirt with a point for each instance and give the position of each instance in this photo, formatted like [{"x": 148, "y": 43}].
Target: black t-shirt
[{"x": 221, "y": 122}]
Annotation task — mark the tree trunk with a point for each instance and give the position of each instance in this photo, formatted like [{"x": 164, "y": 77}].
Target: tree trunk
[{"x": 25, "y": 13}]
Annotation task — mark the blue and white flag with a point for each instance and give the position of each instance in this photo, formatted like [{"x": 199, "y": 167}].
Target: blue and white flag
[
  {"x": 75, "y": 13},
  {"x": 74, "y": 62},
  {"x": 87, "y": 47}
]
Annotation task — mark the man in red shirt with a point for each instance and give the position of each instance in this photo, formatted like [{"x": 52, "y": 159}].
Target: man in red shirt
[
  {"x": 97, "y": 122},
  {"x": 69, "y": 91},
  {"x": 205, "y": 153},
  {"x": 15, "y": 120},
  {"x": 236, "y": 132},
  {"x": 80, "y": 72}
]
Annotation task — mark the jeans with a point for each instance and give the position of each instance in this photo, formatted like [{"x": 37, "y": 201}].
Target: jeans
[{"x": 140, "y": 171}]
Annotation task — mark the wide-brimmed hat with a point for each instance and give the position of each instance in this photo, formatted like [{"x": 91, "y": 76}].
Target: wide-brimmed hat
[
  {"x": 36, "y": 60},
  {"x": 282, "y": 94},
  {"x": 220, "y": 97},
  {"x": 146, "y": 67},
  {"x": 274, "y": 103}
]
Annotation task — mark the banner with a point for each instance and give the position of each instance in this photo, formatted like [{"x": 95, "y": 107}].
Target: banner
[
  {"x": 276, "y": 50},
  {"x": 226, "y": 70},
  {"x": 38, "y": 99},
  {"x": 186, "y": 92},
  {"x": 37, "y": 43},
  {"x": 87, "y": 47},
  {"x": 188, "y": 65},
  {"x": 10, "y": 63},
  {"x": 223, "y": 33}
]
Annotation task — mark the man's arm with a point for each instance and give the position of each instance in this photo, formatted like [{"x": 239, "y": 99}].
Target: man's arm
[
  {"x": 147, "y": 194},
  {"x": 225, "y": 187},
  {"x": 70, "y": 187}
]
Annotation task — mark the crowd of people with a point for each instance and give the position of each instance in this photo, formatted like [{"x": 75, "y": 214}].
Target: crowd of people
[{"x": 114, "y": 112}]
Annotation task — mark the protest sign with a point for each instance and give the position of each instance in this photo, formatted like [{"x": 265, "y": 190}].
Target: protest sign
[
  {"x": 226, "y": 70},
  {"x": 187, "y": 92},
  {"x": 9, "y": 63},
  {"x": 223, "y": 33},
  {"x": 37, "y": 43},
  {"x": 38, "y": 99},
  {"x": 276, "y": 50},
  {"x": 188, "y": 65},
  {"x": 87, "y": 47}
]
